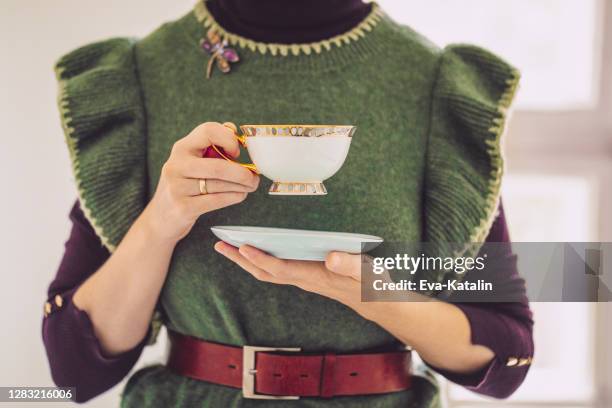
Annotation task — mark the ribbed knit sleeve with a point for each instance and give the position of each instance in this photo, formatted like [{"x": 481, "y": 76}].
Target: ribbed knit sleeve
[
  {"x": 472, "y": 94},
  {"x": 104, "y": 124}
]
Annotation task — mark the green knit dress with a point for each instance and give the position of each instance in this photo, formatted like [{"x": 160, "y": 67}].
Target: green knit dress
[{"x": 424, "y": 165}]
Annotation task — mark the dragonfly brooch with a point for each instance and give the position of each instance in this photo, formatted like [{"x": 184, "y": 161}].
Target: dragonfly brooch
[{"x": 219, "y": 52}]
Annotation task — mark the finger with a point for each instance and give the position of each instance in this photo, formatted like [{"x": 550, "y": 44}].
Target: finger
[
  {"x": 300, "y": 273},
  {"x": 233, "y": 254},
  {"x": 220, "y": 169},
  {"x": 307, "y": 275},
  {"x": 269, "y": 263},
  {"x": 303, "y": 274},
  {"x": 191, "y": 187},
  {"x": 231, "y": 126},
  {"x": 345, "y": 264},
  {"x": 207, "y": 134}
]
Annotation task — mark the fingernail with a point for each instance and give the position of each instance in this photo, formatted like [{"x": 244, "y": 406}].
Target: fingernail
[
  {"x": 334, "y": 261},
  {"x": 218, "y": 247}
]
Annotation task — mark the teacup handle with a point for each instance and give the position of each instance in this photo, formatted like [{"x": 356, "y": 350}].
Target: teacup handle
[{"x": 242, "y": 140}]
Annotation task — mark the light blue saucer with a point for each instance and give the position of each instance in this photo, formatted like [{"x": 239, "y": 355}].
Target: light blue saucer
[{"x": 296, "y": 244}]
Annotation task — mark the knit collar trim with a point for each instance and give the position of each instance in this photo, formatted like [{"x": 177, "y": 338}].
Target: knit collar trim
[{"x": 204, "y": 16}]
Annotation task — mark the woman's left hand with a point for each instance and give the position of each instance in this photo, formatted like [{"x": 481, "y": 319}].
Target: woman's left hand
[
  {"x": 438, "y": 331},
  {"x": 338, "y": 278}
]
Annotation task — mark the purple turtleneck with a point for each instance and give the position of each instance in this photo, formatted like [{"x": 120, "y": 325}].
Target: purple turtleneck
[
  {"x": 288, "y": 21},
  {"x": 75, "y": 356}
]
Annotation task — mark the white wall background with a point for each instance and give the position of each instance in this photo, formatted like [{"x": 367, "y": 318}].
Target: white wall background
[{"x": 36, "y": 184}]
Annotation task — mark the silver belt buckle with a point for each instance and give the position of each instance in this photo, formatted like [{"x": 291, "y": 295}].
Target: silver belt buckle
[{"x": 249, "y": 372}]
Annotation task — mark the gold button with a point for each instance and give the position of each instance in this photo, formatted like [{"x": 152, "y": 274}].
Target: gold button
[
  {"x": 47, "y": 308},
  {"x": 59, "y": 301},
  {"x": 512, "y": 361},
  {"x": 524, "y": 361}
]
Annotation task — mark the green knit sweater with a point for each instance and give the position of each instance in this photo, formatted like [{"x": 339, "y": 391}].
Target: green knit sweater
[{"x": 425, "y": 164}]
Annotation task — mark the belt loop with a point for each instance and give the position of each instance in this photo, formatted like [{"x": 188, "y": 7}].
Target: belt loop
[{"x": 327, "y": 386}]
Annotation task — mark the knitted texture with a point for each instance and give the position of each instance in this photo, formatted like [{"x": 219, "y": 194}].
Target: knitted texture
[
  {"x": 471, "y": 99},
  {"x": 99, "y": 95},
  {"x": 425, "y": 164}
]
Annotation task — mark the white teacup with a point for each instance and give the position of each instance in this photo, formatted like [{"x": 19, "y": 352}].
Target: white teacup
[{"x": 297, "y": 158}]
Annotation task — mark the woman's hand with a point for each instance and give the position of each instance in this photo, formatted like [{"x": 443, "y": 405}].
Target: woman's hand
[
  {"x": 178, "y": 202},
  {"x": 120, "y": 296},
  {"x": 337, "y": 278},
  {"x": 438, "y": 331}
]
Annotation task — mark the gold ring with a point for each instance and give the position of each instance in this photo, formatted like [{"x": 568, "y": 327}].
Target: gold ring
[{"x": 202, "y": 185}]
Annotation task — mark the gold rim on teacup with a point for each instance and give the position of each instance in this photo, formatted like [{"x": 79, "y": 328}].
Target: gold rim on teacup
[
  {"x": 298, "y": 130},
  {"x": 283, "y": 130}
]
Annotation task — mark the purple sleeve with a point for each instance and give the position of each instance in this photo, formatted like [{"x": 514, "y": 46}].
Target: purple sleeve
[
  {"x": 505, "y": 328},
  {"x": 75, "y": 356},
  {"x": 77, "y": 360}
]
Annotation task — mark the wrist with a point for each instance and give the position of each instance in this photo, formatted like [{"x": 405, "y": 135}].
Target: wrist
[{"x": 155, "y": 233}]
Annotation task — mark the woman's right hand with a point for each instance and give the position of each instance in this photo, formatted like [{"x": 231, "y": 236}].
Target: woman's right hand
[
  {"x": 120, "y": 297},
  {"x": 178, "y": 202}
]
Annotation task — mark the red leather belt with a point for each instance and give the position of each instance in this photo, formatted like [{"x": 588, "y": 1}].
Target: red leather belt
[{"x": 284, "y": 373}]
